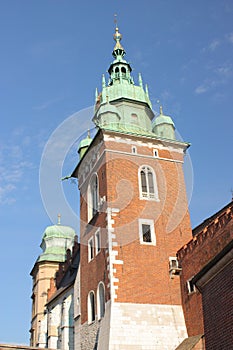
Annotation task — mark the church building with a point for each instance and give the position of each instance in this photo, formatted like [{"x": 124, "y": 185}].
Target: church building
[{"x": 134, "y": 218}]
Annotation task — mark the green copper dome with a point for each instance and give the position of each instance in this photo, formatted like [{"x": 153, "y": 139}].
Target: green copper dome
[
  {"x": 122, "y": 105},
  {"x": 56, "y": 240},
  {"x": 163, "y": 126},
  {"x": 84, "y": 144}
]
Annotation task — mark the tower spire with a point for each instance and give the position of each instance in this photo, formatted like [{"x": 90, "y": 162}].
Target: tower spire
[{"x": 118, "y": 51}]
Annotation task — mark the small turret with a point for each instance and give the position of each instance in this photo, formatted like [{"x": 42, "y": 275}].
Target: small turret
[
  {"x": 84, "y": 144},
  {"x": 163, "y": 126},
  {"x": 56, "y": 240}
]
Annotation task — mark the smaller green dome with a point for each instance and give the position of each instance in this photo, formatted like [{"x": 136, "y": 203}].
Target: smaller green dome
[
  {"x": 56, "y": 240},
  {"x": 163, "y": 126},
  {"x": 59, "y": 231},
  {"x": 163, "y": 119},
  {"x": 84, "y": 144}
]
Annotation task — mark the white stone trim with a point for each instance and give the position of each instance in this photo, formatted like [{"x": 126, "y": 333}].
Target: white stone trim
[
  {"x": 143, "y": 155},
  {"x": 112, "y": 258},
  {"x": 174, "y": 146},
  {"x": 88, "y": 168}
]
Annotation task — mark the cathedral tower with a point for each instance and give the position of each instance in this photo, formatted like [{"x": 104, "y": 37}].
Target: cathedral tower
[
  {"x": 56, "y": 240},
  {"x": 134, "y": 217}
]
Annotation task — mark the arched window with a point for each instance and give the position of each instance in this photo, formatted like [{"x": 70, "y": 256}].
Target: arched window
[
  {"x": 101, "y": 300},
  {"x": 93, "y": 196},
  {"x": 147, "y": 183},
  {"x": 123, "y": 72},
  {"x": 91, "y": 307}
]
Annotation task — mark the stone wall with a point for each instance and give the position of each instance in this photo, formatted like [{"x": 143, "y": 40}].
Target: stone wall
[{"x": 144, "y": 326}]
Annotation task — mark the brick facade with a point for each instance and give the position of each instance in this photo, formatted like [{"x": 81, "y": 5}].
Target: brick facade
[
  {"x": 217, "y": 299},
  {"x": 210, "y": 238},
  {"x": 132, "y": 272}
]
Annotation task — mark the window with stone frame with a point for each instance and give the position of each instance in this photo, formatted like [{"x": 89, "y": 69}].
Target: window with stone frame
[
  {"x": 147, "y": 232},
  {"x": 147, "y": 183}
]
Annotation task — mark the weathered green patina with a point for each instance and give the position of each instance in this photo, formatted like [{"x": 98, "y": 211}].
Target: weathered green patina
[
  {"x": 84, "y": 144},
  {"x": 123, "y": 106},
  {"x": 163, "y": 126},
  {"x": 56, "y": 240}
]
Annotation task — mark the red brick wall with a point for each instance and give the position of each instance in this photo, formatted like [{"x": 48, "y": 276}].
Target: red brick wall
[
  {"x": 218, "y": 306},
  {"x": 144, "y": 275},
  {"x": 193, "y": 257}
]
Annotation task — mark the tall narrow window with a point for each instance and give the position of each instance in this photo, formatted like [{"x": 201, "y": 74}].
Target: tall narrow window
[
  {"x": 97, "y": 242},
  {"x": 94, "y": 191},
  {"x": 93, "y": 196},
  {"x": 101, "y": 300},
  {"x": 147, "y": 183},
  {"x": 91, "y": 307},
  {"x": 123, "y": 71},
  {"x": 90, "y": 249}
]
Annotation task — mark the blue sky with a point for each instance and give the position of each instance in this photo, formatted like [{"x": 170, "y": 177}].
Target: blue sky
[{"x": 53, "y": 53}]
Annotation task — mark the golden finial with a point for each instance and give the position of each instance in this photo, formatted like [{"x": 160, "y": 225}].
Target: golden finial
[
  {"x": 59, "y": 219},
  {"x": 117, "y": 36},
  {"x": 161, "y": 110}
]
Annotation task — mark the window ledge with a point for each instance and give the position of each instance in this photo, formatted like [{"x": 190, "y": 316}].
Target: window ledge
[
  {"x": 148, "y": 243},
  {"x": 149, "y": 199}
]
